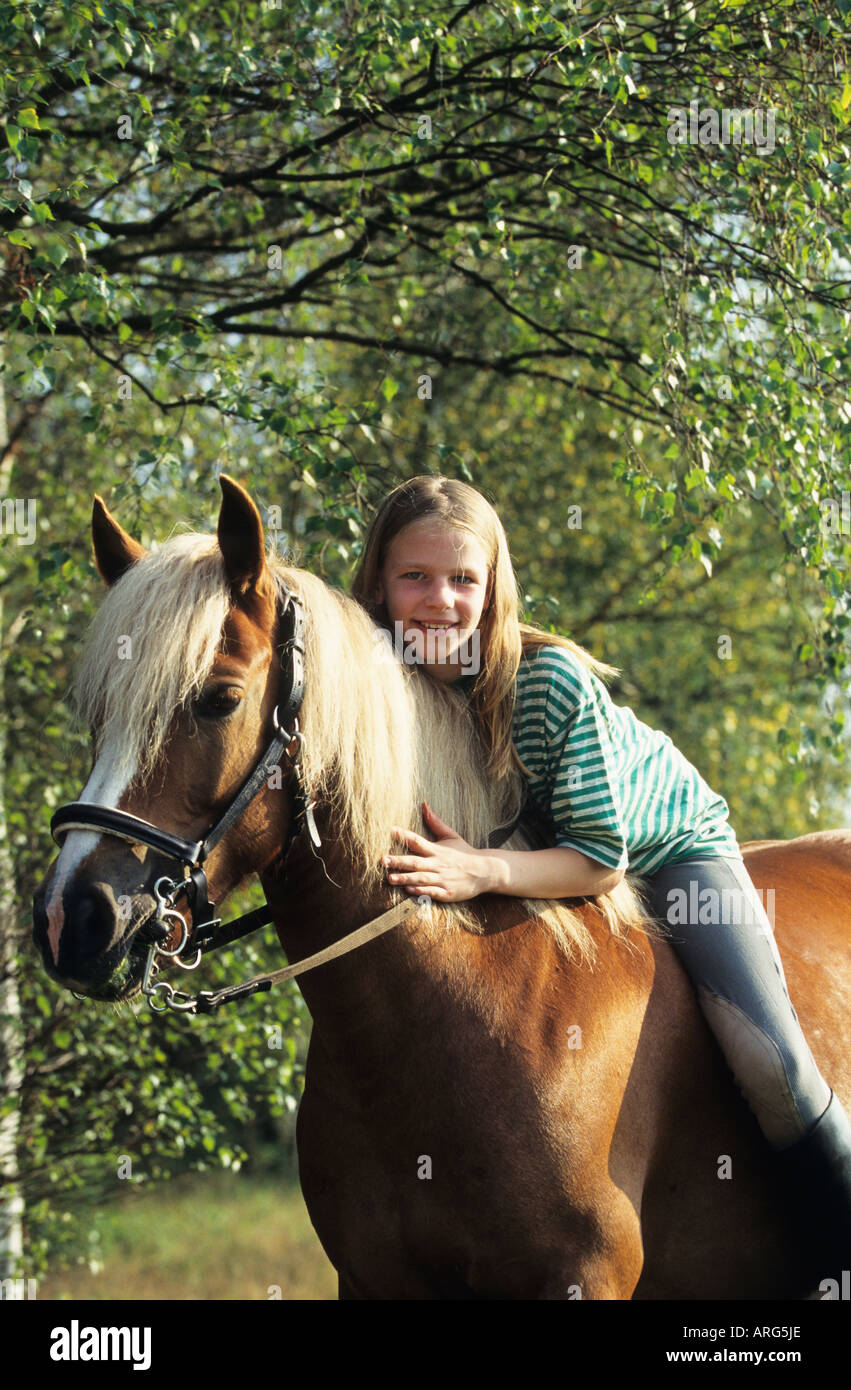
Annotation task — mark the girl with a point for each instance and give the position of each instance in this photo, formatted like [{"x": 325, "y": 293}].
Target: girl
[{"x": 613, "y": 795}]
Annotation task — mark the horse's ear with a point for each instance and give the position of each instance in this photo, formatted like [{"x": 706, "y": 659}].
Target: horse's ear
[
  {"x": 115, "y": 551},
  {"x": 240, "y": 532}
]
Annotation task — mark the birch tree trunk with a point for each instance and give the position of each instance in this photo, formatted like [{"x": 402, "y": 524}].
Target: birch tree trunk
[{"x": 11, "y": 1031}]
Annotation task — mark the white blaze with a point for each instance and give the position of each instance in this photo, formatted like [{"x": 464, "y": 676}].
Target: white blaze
[{"x": 104, "y": 788}]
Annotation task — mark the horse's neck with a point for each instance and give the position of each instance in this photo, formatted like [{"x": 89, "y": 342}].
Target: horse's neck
[
  {"x": 316, "y": 900},
  {"x": 399, "y": 994}
]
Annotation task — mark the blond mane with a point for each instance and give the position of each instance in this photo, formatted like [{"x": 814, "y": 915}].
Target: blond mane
[{"x": 379, "y": 737}]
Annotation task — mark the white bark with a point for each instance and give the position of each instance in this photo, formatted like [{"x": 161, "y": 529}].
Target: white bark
[{"x": 11, "y": 1031}]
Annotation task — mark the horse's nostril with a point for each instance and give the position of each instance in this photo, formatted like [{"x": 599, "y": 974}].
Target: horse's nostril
[{"x": 91, "y": 923}]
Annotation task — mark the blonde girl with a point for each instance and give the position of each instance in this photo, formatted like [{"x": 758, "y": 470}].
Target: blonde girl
[{"x": 612, "y": 794}]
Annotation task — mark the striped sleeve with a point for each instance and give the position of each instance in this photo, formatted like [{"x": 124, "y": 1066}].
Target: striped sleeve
[{"x": 585, "y": 806}]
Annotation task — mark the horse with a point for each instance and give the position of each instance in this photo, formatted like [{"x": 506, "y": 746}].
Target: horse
[{"x": 504, "y": 1098}]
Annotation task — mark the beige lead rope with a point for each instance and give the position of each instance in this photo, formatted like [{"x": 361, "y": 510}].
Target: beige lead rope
[
  {"x": 207, "y": 1001},
  {"x": 363, "y": 934}
]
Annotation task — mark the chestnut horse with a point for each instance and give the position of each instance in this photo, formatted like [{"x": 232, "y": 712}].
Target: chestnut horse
[{"x": 503, "y": 1098}]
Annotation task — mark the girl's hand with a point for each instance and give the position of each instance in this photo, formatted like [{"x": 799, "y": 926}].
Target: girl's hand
[{"x": 448, "y": 870}]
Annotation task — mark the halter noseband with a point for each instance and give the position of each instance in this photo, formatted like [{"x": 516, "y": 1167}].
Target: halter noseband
[{"x": 84, "y": 815}]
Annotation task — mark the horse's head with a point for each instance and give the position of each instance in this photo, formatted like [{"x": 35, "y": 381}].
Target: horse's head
[{"x": 180, "y": 684}]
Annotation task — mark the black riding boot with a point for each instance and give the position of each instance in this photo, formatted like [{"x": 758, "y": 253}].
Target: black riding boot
[{"x": 818, "y": 1171}]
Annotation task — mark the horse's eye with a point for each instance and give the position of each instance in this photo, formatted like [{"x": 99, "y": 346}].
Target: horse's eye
[{"x": 215, "y": 704}]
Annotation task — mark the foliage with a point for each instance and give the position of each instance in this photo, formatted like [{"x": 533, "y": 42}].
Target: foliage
[
  {"x": 328, "y": 246},
  {"x": 106, "y": 1085}
]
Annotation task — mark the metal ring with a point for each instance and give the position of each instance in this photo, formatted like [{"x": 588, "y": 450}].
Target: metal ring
[
  {"x": 279, "y": 728},
  {"x": 184, "y": 936},
  {"x": 290, "y": 737},
  {"x": 163, "y": 984},
  {"x": 193, "y": 965},
  {"x": 188, "y": 1005},
  {"x": 294, "y": 757},
  {"x": 165, "y": 897},
  {"x": 171, "y": 1001}
]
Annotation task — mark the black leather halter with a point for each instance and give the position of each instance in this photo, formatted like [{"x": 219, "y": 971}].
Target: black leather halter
[{"x": 84, "y": 815}]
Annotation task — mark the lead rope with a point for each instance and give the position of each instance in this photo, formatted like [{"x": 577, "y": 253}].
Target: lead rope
[{"x": 206, "y": 1001}]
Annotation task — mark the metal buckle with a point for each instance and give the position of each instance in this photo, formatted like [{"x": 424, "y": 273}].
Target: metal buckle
[
  {"x": 172, "y": 998},
  {"x": 179, "y": 1002},
  {"x": 296, "y": 733},
  {"x": 165, "y": 910}
]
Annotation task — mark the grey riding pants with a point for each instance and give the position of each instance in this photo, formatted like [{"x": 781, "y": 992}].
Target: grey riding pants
[{"x": 722, "y": 932}]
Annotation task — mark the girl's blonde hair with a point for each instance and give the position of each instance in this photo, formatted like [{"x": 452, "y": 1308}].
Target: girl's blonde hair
[{"x": 504, "y": 638}]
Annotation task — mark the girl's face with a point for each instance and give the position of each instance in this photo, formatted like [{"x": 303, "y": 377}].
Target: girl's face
[{"x": 435, "y": 583}]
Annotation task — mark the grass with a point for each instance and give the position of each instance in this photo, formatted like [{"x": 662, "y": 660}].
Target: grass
[{"x": 217, "y": 1236}]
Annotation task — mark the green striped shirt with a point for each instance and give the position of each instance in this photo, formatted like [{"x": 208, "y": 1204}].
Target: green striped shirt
[{"x": 610, "y": 786}]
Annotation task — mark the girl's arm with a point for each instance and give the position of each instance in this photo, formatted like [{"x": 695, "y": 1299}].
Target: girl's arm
[
  {"x": 451, "y": 870},
  {"x": 548, "y": 873}
]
